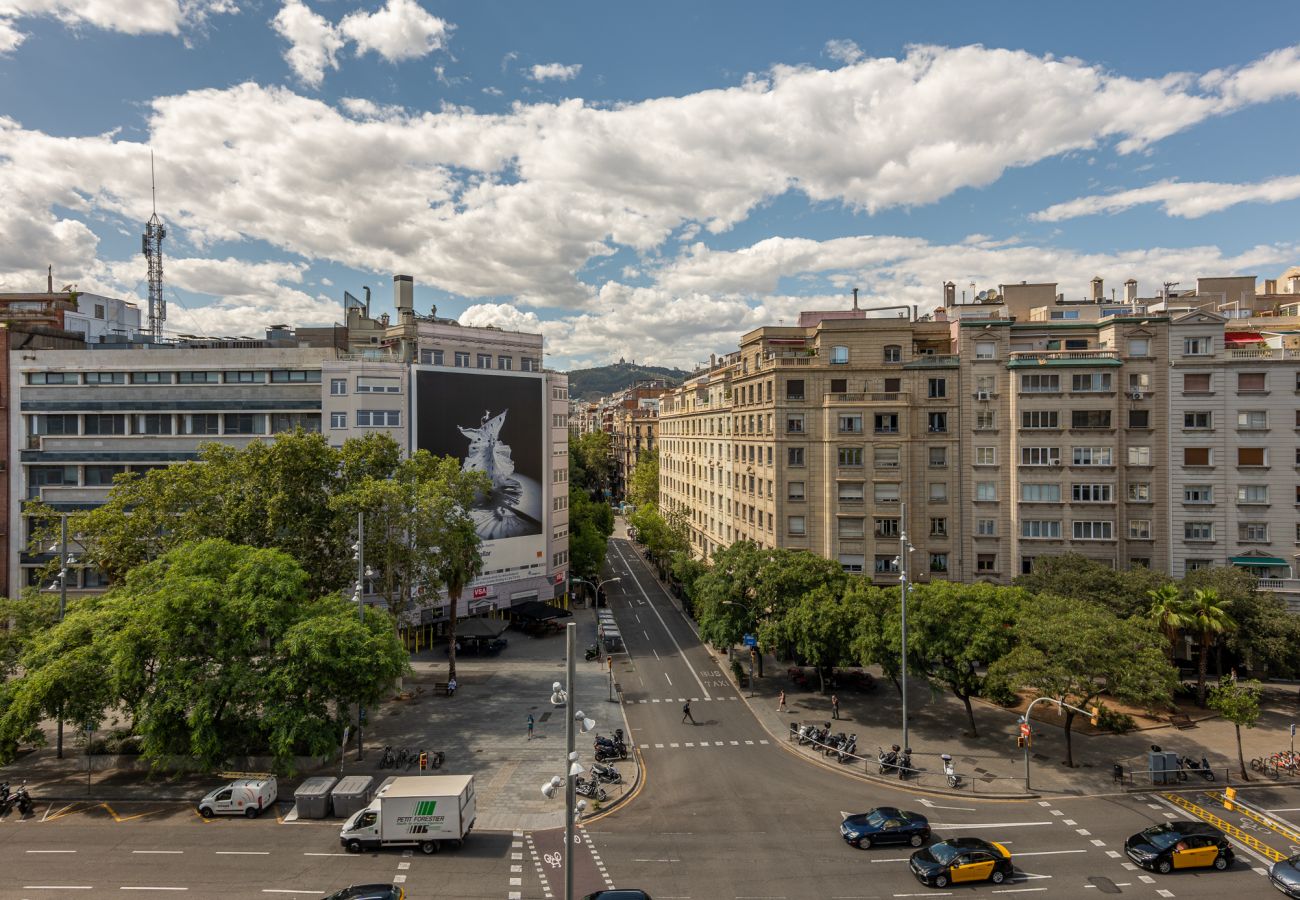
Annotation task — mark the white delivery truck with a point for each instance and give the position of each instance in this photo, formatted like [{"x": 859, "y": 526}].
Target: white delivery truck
[
  {"x": 245, "y": 796},
  {"x": 417, "y": 810}
]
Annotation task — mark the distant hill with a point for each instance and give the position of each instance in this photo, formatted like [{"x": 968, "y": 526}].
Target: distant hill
[{"x": 591, "y": 384}]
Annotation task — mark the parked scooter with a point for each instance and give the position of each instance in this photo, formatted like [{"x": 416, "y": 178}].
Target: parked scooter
[
  {"x": 1201, "y": 768},
  {"x": 888, "y": 761},
  {"x": 606, "y": 774},
  {"x": 592, "y": 789},
  {"x": 905, "y": 769},
  {"x": 848, "y": 748},
  {"x": 833, "y": 743},
  {"x": 593, "y": 652},
  {"x": 954, "y": 780},
  {"x": 22, "y": 800}
]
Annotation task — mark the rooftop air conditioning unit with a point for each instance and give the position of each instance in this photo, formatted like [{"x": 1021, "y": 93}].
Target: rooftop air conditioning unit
[
  {"x": 1056, "y": 462},
  {"x": 1137, "y": 395},
  {"x": 983, "y": 395}
]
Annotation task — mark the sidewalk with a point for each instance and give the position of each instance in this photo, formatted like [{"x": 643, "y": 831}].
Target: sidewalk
[{"x": 482, "y": 730}]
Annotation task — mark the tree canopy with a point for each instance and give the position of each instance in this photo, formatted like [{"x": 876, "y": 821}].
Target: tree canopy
[
  {"x": 591, "y": 462},
  {"x": 643, "y": 484}
]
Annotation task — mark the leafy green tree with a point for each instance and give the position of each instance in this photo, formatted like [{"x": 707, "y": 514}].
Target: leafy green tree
[
  {"x": 726, "y": 598},
  {"x": 877, "y": 637},
  {"x": 591, "y": 523},
  {"x": 1169, "y": 613},
  {"x": 1268, "y": 636},
  {"x": 1080, "y": 578},
  {"x": 211, "y": 651},
  {"x": 452, "y": 556},
  {"x": 1238, "y": 702},
  {"x": 953, "y": 628},
  {"x": 591, "y": 462},
  {"x": 820, "y": 626},
  {"x": 643, "y": 485},
  {"x": 1207, "y": 618},
  {"x": 1073, "y": 650}
]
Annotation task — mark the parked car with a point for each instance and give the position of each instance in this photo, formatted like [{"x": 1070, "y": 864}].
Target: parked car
[
  {"x": 1285, "y": 876},
  {"x": 370, "y": 892},
  {"x": 962, "y": 859},
  {"x": 241, "y": 797},
  {"x": 885, "y": 825},
  {"x": 619, "y": 894},
  {"x": 1179, "y": 845}
]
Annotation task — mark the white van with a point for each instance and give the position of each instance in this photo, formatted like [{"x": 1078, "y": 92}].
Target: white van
[{"x": 241, "y": 797}]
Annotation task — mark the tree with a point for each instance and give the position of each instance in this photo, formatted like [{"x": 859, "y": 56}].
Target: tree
[
  {"x": 1169, "y": 613},
  {"x": 820, "y": 626},
  {"x": 876, "y": 639},
  {"x": 726, "y": 601},
  {"x": 211, "y": 651},
  {"x": 1073, "y": 651},
  {"x": 953, "y": 628},
  {"x": 448, "y": 531},
  {"x": 643, "y": 485},
  {"x": 1267, "y": 637},
  {"x": 1080, "y": 578},
  {"x": 1238, "y": 702},
  {"x": 591, "y": 462},
  {"x": 1207, "y": 617},
  {"x": 590, "y": 524}
]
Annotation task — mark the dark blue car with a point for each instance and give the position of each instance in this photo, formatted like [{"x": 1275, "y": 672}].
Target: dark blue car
[{"x": 885, "y": 825}]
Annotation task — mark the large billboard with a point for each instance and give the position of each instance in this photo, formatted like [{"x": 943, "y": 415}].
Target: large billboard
[{"x": 493, "y": 422}]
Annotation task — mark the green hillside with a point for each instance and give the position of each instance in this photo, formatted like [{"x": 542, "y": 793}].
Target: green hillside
[{"x": 591, "y": 384}]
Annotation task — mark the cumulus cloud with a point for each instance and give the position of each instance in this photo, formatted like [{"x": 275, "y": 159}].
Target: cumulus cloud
[
  {"x": 126, "y": 16},
  {"x": 554, "y": 72},
  {"x": 845, "y": 51},
  {"x": 401, "y": 30},
  {"x": 313, "y": 42},
  {"x": 10, "y": 36},
  {"x": 502, "y": 315},
  {"x": 1186, "y": 199}
]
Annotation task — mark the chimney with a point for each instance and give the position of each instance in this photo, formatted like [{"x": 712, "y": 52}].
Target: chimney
[
  {"x": 941, "y": 314},
  {"x": 855, "y": 298},
  {"x": 1098, "y": 290},
  {"x": 403, "y": 292},
  {"x": 1131, "y": 291},
  {"x": 1270, "y": 286},
  {"x": 949, "y": 294},
  {"x": 49, "y": 280}
]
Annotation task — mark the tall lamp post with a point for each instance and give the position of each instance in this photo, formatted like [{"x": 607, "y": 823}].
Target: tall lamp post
[
  {"x": 358, "y": 595},
  {"x": 65, "y": 562},
  {"x": 753, "y": 651},
  {"x": 904, "y": 548},
  {"x": 596, "y": 587},
  {"x": 562, "y": 696}
]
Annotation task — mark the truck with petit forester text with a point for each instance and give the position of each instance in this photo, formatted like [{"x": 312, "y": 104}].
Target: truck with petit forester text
[{"x": 424, "y": 811}]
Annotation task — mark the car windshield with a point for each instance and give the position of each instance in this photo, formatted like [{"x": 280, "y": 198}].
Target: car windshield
[
  {"x": 1161, "y": 836},
  {"x": 875, "y": 819},
  {"x": 944, "y": 853}
]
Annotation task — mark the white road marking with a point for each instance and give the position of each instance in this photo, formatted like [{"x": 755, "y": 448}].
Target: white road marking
[
  {"x": 141, "y": 888},
  {"x": 58, "y": 887},
  {"x": 655, "y": 652},
  {"x": 148, "y": 851},
  {"x": 1146, "y": 879},
  {"x": 672, "y": 745},
  {"x": 680, "y": 651},
  {"x": 670, "y": 681},
  {"x": 647, "y": 636},
  {"x": 1069, "y": 822},
  {"x": 1113, "y": 854},
  {"x": 1164, "y": 893},
  {"x": 1083, "y": 832},
  {"x": 988, "y": 824},
  {"x": 932, "y": 805},
  {"x": 243, "y": 852},
  {"x": 1259, "y": 870},
  {"x": 288, "y": 891},
  {"x": 327, "y": 854},
  {"x": 1021, "y": 890},
  {"x": 61, "y": 851},
  {"x": 1097, "y": 843},
  {"x": 1046, "y": 853}
]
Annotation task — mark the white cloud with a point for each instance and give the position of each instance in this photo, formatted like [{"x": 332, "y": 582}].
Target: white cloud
[
  {"x": 502, "y": 315},
  {"x": 1187, "y": 199},
  {"x": 555, "y": 72},
  {"x": 401, "y": 30},
  {"x": 10, "y": 36},
  {"x": 845, "y": 51},
  {"x": 126, "y": 16},
  {"x": 313, "y": 42}
]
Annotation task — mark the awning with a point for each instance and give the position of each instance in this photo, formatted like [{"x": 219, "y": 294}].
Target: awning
[
  {"x": 1258, "y": 561},
  {"x": 1242, "y": 337},
  {"x": 480, "y": 628},
  {"x": 541, "y": 612}
]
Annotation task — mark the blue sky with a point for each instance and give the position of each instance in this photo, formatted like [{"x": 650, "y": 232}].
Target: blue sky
[{"x": 649, "y": 180}]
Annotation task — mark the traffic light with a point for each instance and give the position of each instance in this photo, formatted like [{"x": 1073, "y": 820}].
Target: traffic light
[
  {"x": 424, "y": 760},
  {"x": 1020, "y": 742},
  {"x": 1095, "y": 712}
]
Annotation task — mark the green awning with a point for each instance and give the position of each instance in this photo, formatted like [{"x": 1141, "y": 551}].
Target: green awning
[{"x": 1258, "y": 561}]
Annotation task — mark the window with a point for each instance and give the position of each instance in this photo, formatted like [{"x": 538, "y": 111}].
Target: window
[
  {"x": 201, "y": 423},
  {"x": 1091, "y": 493},
  {"x": 850, "y": 456},
  {"x": 938, "y": 388},
  {"x": 796, "y": 525},
  {"x": 1094, "y": 456},
  {"x": 886, "y": 457},
  {"x": 985, "y": 420},
  {"x": 893, "y": 353},
  {"x": 1040, "y": 418},
  {"x": 109, "y": 424},
  {"x": 153, "y": 423},
  {"x": 1090, "y": 418},
  {"x": 1251, "y": 383},
  {"x": 338, "y": 387},
  {"x": 839, "y": 356},
  {"x": 1040, "y": 493},
  {"x": 505, "y": 363},
  {"x": 938, "y": 492},
  {"x": 986, "y": 456},
  {"x": 110, "y": 377},
  {"x": 938, "y": 562},
  {"x": 851, "y": 528},
  {"x": 986, "y": 349},
  {"x": 850, "y": 492},
  {"x": 1196, "y": 383},
  {"x": 1139, "y": 382},
  {"x": 1139, "y": 529},
  {"x": 794, "y": 490},
  {"x": 1198, "y": 531},
  {"x": 51, "y": 378},
  {"x": 893, "y": 385},
  {"x": 244, "y": 377},
  {"x": 887, "y": 492},
  {"x": 282, "y": 422},
  {"x": 938, "y": 422},
  {"x": 379, "y": 418},
  {"x": 794, "y": 424},
  {"x": 1196, "y": 421},
  {"x": 1076, "y": 344},
  {"x": 794, "y": 389},
  {"x": 986, "y": 383},
  {"x": 853, "y": 563},
  {"x": 1253, "y": 531},
  {"x": 986, "y": 490},
  {"x": 986, "y": 562},
  {"x": 244, "y": 423},
  {"x": 1252, "y": 456},
  {"x": 1094, "y": 531},
  {"x": 370, "y": 384},
  {"x": 794, "y": 456},
  {"x": 938, "y": 457},
  {"x": 99, "y": 310},
  {"x": 986, "y": 527},
  {"x": 1042, "y": 529},
  {"x": 1040, "y": 456},
  {"x": 886, "y": 565},
  {"x": 1197, "y": 346},
  {"x": 54, "y": 424},
  {"x": 1139, "y": 492},
  {"x": 1139, "y": 418},
  {"x": 462, "y": 360},
  {"x": 102, "y": 476},
  {"x": 1253, "y": 419},
  {"x": 1252, "y": 493},
  {"x": 1090, "y": 382},
  {"x": 1040, "y": 384},
  {"x": 938, "y": 528},
  {"x": 1139, "y": 347},
  {"x": 1139, "y": 456},
  {"x": 294, "y": 376},
  {"x": 338, "y": 420},
  {"x": 1198, "y": 494},
  {"x": 851, "y": 424},
  {"x": 430, "y": 357},
  {"x": 485, "y": 360}
]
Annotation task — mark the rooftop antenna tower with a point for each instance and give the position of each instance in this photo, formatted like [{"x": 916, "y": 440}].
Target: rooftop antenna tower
[{"x": 151, "y": 244}]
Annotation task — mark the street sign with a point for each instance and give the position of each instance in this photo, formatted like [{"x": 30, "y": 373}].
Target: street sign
[
  {"x": 1293, "y": 729},
  {"x": 751, "y": 640},
  {"x": 1024, "y": 729}
]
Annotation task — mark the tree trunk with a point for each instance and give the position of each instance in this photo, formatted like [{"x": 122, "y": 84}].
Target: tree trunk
[
  {"x": 454, "y": 597},
  {"x": 1218, "y": 660},
  {"x": 1069, "y": 747},
  {"x": 821, "y": 678},
  {"x": 1241, "y": 758},
  {"x": 970, "y": 712},
  {"x": 1201, "y": 667}
]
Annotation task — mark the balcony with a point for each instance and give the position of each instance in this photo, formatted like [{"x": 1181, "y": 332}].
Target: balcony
[
  {"x": 933, "y": 361},
  {"x": 1020, "y": 359},
  {"x": 1263, "y": 353}
]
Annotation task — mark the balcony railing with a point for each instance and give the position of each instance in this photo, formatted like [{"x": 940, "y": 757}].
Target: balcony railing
[
  {"x": 1263, "y": 353},
  {"x": 1062, "y": 355}
]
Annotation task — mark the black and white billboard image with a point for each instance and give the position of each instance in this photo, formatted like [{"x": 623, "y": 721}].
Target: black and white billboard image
[{"x": 495, "y": 423}]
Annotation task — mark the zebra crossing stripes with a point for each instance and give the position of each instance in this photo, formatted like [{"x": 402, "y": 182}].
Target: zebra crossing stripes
[
  {"x": 683, "y": 700},
  {"x": 700, "y": 745}
]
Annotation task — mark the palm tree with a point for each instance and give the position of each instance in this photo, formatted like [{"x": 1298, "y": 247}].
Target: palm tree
[
  {"x": 1169, "y": 612},
  {"x": 1207, "y": 616}
]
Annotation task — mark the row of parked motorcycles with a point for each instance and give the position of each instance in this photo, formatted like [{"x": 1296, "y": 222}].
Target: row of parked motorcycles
[
  {"x": 896, "y": 761},
  {"x": 600, "y": 774},
  {"x": 608, "y": 748},
  {"x": 19, "y": 798},
  {"x": 840, "y": 746}
]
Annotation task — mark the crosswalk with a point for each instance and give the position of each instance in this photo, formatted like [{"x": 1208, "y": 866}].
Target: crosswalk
[
  {"x": 698, "y": 745},
  {"x": 684, "y": 699}
]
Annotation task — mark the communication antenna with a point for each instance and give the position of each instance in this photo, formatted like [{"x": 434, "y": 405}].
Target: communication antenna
[{"x": 151, "y": 244}]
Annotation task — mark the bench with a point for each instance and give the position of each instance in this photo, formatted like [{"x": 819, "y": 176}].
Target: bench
[
  {"x": 440, "y": 687},
  {"x": 1181, "y": 721}
]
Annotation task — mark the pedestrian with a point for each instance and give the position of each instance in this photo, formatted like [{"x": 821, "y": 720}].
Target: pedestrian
[
  {"x": 686, "y": 713},
  {"x": 530, "y": 726},
  {"x": 780, "y": 704},
  {"x": 835, "y": 707},
  {"x": 451, "y": 688}
]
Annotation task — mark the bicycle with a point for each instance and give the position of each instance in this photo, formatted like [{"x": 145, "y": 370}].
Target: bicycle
[{"x": 389, "y": 760}]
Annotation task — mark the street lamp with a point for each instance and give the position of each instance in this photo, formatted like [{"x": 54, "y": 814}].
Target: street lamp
[
  {"x": 363, "y": 572},
  {"x": 560, "y": 695},
  {"x": 65, "y": 562},
  {"x": 596, "y": 587},
  {"x": 904, "y": 548},
  {"x": 753, "y": 651}
]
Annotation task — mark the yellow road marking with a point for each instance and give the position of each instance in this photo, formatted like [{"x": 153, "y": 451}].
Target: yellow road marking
[
  {"x": 1226, "y": 827},
  {"x": 66, "y": 811},
  {"x": 1272, "y": 824},
  {"x": 119, "y": 819}
]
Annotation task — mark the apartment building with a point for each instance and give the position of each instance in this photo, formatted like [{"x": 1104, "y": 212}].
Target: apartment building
[{"x": 633, "y": 417}]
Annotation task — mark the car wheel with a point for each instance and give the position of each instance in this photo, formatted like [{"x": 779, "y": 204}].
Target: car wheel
[
  {"x": 916, "y": 840},
  {"x": 998, "y": 876},
  {"x": 1220, "y": 862},
  {"x": 864, "y": 843},
  {"x": 354, "y": 846},
  {"x": 205, "y": 812},
  {"x": 941, "y": 881},
  {"x": 1163, "y": 867},
  {"x": 250, "y": 812},
  {"x": 428, "y": 848}
]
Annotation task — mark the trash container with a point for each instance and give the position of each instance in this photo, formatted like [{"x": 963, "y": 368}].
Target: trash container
[
  {"x": 1164, "y": 766},
  {"x": 313, "y": 797},
  {"x": 353, "y": 792}
]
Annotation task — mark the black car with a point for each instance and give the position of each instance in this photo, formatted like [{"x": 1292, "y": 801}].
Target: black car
[
  {"x": 1179, "y": 845},
  {"x": 962, "y": 859},
  {"x": 618, "y": 895},
  {"x": 1285, "y": 876},
  {"x": 370, "y": 892},
  {"x": 885, "y": 825}
]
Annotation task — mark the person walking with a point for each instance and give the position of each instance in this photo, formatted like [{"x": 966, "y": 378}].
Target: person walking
[
  {"x": 835, "y": 707},
  {"x": 530, "y": 726},
  {"x": 780, "y": 703},
  {"x": 686, "y": 713}
]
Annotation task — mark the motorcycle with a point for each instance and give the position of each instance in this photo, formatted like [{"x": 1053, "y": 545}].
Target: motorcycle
[
  {"x": 1201, "y": 768},
  {"x": 609, "y": 741},
  {"x": 23, "y": 800},
  {"x": 605, "y": 753},
  {"x": 849, "y": 747},
  {"x": 592, "y": 789},
  {"x": 905, "y": 769},
  {"x": 592, "y": 652},
  {"x": 606, "y": 774},
  {"x": 954, "y": 780},
  {"x": 888, "y": 761},
  {"x": 833, "y": 742}
]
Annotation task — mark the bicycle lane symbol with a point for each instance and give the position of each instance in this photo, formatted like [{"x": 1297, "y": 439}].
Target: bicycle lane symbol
[{"x": 549, "y": 849}]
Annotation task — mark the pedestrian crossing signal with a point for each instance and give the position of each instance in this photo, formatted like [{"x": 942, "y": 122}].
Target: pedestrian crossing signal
[
  {"x": 1021, "y": 742},
  {"x": 424, "y": 761}
]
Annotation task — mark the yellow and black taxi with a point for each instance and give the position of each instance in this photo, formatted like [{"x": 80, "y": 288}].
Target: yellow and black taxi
[
  {"x": 1179, "y": 845},
  {"x": 961, "y": 860}
]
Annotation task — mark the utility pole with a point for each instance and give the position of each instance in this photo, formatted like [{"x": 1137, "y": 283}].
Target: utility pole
[
  {"x": 902, "y": 580},
  {"x": 361, "y": 605},
  {"x": 570, "y": 632},
  {"x": 63, "y": 607}
]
